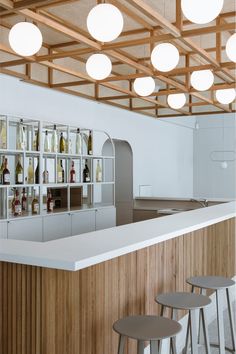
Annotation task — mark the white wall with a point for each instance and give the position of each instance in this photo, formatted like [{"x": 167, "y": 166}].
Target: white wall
[{"x": 162, "y": 150}]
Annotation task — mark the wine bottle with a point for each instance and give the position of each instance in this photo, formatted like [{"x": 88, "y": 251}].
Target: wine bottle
[
  {"x": 54, "y": 141},
  {"x": 30, "y": 172},
  {"x": 49, "y": 202},
  {"x": 62, "y": 144},
  {"x": 35, "y": 204},
  {"x": 37, "y": 173},
  {"x": 1, "y": 170},
  {"x": 78, "y": 143},
  {"x": 20, "y": 136},
  {"x": 46, "y": 142},
  {"x": 3, "y": 135},
  {"x": 63, "y": 172},
  {"x": 59, "y": 172},
  {"x": 24, "y": 200},
  {"x": 6, "y": 173},
  {"x": 72, "y": 173},
  {"x": 19, "y": 172},
  {"x": 90, "y": 143},
  {"x": 17, "y": 205},
  {"x": 86, "y": 173},
  {"x": 98, "y": 172},
  {"x": 13, "y": 201},
  {"x": 45, "y": 176}
]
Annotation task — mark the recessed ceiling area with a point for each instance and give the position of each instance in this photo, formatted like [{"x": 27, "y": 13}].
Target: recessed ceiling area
[{"x": 61, "y": 62}]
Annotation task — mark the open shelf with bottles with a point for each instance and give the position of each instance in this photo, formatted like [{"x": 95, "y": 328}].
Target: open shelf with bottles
[{"x": 48, "y": 168}]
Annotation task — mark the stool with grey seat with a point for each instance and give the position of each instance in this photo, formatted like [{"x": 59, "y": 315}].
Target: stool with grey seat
[
  {"x": 190, "y": 302},
  {"x": 146, "y": 328},
  {"x": 219, "y": 285}
]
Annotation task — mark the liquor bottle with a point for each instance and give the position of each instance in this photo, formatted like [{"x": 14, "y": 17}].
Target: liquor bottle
[
  {"x": 20, "y": 136},
  {"x": 90, "y": 143},
  {"x": 86, "y": 173},
  {"x": 78, "y": 143},
  {"x": 3, "y": 135},
  {"x": 17, "y": 205},
  {"x": 63, "y": 172},
  {"x": 35, "y": 204},
  {"x": 62, "y": 144},
  {"x": 13, "y": 200},
  {"x": 59, "y": 172},
  {"x": 5, "y": 173},
  {"x": 24, "y": 200},
  {"x": 49, "y": 202},
  {"x": 98, "y": 172},
  {"x": 19, "y": 172},
  {"x": 37, "y": 173},
  {"x": 72, "y": 173},
  {"x": 54, "y": 141},
  {"x": 45, "y": 176},
  {"x": 30, "y": 172},
  {"x": 1, "y": 170},
  {"x": 46, "y": 142}
]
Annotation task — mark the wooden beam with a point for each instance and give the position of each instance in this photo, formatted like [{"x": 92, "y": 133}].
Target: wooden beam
[{"x": 179, "y": 15}]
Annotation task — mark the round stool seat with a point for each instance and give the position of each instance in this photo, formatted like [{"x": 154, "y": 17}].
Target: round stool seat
[
  {"x": 147, "y": 328},
  {"x": 183, "y": 301},
  {"x": 211, "y": 282}
]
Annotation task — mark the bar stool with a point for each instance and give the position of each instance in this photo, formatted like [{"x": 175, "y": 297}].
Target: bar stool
[
  {"x": 146, "y": 328},
  {"x": 220, "y": 285},
  {"x": 190, "y": 302}
]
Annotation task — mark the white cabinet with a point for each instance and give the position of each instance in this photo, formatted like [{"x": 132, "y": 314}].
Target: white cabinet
[
  {"x": 3, "y": 229},
  {"x": 82, "y": 222},
  {"x": 105, "y": 218},
  {"x": 29, "y": 229},
  {"x": 56, "y": 226}
]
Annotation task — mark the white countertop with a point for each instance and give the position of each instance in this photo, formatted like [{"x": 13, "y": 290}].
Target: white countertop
[{"x": 78, "y": 252}]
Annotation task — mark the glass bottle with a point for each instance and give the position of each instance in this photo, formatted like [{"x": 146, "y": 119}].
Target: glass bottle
[
  {"x": 13, "y": 200},
  {"x": 63, "y": 172},
  {"x": 78, "y": 143},
  {"x": 30, "y": 172},
  {"x": 98, "y": 172},
  {"x": 1, "y": 170},
  {"x": 72, "y": 173},
  {"x": 17, "y": 205},
  {"x": 49, "y": 202},
  {"x": 46, "y": 142},
  {"x": 19, "y": 171},
  {"x": 54, "y": 141},
  {"x": 45, "y": 176},
  {"x": 35, "y": 204},
  {"x": 86, "y": 173},
  {"x": 62, "y": 144},
  {"x": 90, "y": 143},
  {"x": 3, "y": 135},
  {"x": 37, "y": 173},
  {"x": 24, "y": 200},
  {"x": 5, "y": 173},
  {"x": 20, "y": 136},
  {"x": 59, "y": 172}
]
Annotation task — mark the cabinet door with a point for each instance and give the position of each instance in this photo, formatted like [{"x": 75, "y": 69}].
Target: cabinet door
[
  {"x": 83, "y": 222},
  {"x": 105, "y": 218},
  {"x": 56, "y": 226},
  {"x": 3, "y": 229},
  {"x": 29, "y": 229}
]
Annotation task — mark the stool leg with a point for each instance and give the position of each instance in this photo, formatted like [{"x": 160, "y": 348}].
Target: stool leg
[
  {"x": 163, "y": 310},
  {"x": 220, "y": 321},
  {"x": 231, "y": 319},
  {"x": 200, "y": 329},
  {"x": 193, "y": 332},
  {"x": 121, "y": 348},
  {"x": 173, "y": 345},
  {"x": 154, "y": 347},
  {"x": 187, "y": 336},
  {"x": 205, "y": 331},
  {"x": 140, "y": 347}
]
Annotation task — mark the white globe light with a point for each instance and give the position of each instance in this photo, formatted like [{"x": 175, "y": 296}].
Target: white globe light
[
  {"x": 25, "y": 39},
  {"x": 144, "y": 86},
  {"x": 176, "y": 101},
  {"x": 226, "y": 96},
  {"x": 165, "y": 57},
  {"x": 202, "y": 80},
  {"x": 231, "y": 48},
  {"x": 105, "y": 22},
  {"x": 224, "y": 164},
  {"x": 201, "y": 11},
  {"x": 98, "y": 66}
]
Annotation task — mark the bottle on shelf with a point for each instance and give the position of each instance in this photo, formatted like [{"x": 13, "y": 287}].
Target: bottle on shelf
[
  {"x": 19, "y": 171},
  {"x": 72, "y": 173},
  {"x": 63, "y": 172},
  {"x": 45, "y": 177},
  {"x": 78, "y": 143},
  {"x": 86, "y": 173},
  {"x": 13, "y": 200},
  {"x": 17, "y": 210},
  {"x": 90, "y": 143},
  {"x": 23, "y": 200},
  {"x": 37, "y": 173},
  {"x": 5, "y": 173},
  {"x": 1, "y": 170},
  {"x": 98, "y": 172},
  {"x": 35, "y": 204},
  {"x": 46, "y": 142},
  {"x": 54, "y": 141},
  {"x": 50, "y": 203},
  {"x": 20, "y": 136},
  {"x": 3, "y": 135},
  {"x": 62, "y": 144},
  {"x": 30, "y": 178},
  {"x": 60, "y": 172}
]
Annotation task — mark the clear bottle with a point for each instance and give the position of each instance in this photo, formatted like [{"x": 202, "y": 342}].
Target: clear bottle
[
  {"x": 98, "y": 172},
  {"x": 30, "y": 178},
  {"x": 6, "y": 173},
  {"x": 35, "y": 204},
  {"x": 45, "y": 177},
  {"x": 1, "y": 170},
  {"x": 46, "y": 142},
  {"x": 20, "y": 136},
  {"x": 62, "y": 144},
  {"x": 3, "y": 135},
  {"x": 90, "y": 143},
  {"x": 54, "y": 141},
  {"x": 59, "y": 172},
  {"x": 86, "y": 173},
  {"x": 78, "y": 143},
  {"x": 50, "y": 203},
  {"x": 72, "y": 173},
  {"x": 24, "y": 200},
  {"x": 19, "y": 171},
  {"x": 17, "y": 210}
]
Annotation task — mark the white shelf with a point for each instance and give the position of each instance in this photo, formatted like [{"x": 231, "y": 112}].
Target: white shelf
[{"x": 19, "y": 152}]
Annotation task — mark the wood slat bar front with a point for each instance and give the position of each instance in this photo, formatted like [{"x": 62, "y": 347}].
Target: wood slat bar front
[{"x": 48, "y": 311}]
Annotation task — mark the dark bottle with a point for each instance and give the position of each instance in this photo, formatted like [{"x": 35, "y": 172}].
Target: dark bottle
[
  {"x": 37, "y": 173},
  {"x": 49, "y": 202},
  {"x": 90, "y": 143},
  {"x": 86, "y": 173},
  {"x": 5, "y": 173},
  {"x": 24, "y": 201},
  {"x": 17, "y": 205},
  {"x": 72, "y": 173},
  {"x": 62, "y": 172}
]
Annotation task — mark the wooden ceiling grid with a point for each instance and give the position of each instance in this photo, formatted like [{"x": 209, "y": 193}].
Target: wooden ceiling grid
[{"x": 80, "y": 45}]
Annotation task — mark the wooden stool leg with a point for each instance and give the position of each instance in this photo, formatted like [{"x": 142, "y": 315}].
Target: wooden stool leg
[
  {"x": 205, "y": 331},
  {"x": 173, "y": 345},
  {"x": 193, "y": 332},
  {"x": 154, "y": 347},
  {"x": 140, "y": 347},
  {"x": 121, "y": 348},
  {"x": 231, "y": 319},
  {"x": 220, "y": 321}
]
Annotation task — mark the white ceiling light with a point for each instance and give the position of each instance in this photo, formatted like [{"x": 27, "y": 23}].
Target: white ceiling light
[
  {"x": 224, "y": 164},
  {"x": 105, "y": 22},
  {"x": 231, "y": 48},
  {"x": 25, "y": 39},
  {"x": 144, "y": 86},
  {"x": 202, "y": 80},
  {"x": 98, "y": 66},
  {"x": 176, "y": 101},
  {"x": 226, "y": 96},
  {"x": 165, "y": 57},
  {"x": 201, "y": 11}
]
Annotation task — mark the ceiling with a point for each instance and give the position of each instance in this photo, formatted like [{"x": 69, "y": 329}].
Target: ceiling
[{"x": 60, "y": 64}]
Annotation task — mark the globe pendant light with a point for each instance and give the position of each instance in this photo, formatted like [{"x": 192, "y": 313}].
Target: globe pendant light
[
  {"x": 144, "y": 86},
  {"x": 98, "y": 66},
  {"x": 105, "y": 22},
  {"x": 25, "y": 39},
  {"x": 201, "y": 11},
  {"x": 202, "y": 80},
  {"x": 231, "y": 48},
  {"x": 165, "y": 57},
  {"x": 226, "y": 96},
  {"x": 176, "y": 101}
]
